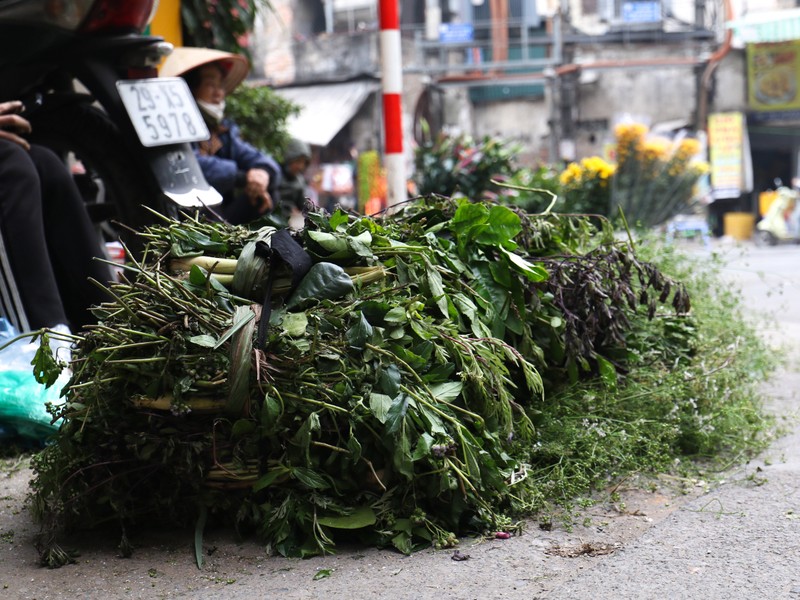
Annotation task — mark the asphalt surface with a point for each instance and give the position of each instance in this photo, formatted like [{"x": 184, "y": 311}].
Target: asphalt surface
[{"x": 741, "y": 539}]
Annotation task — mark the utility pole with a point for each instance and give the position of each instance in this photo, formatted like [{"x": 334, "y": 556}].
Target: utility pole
[{"x": 392, "y": 87}]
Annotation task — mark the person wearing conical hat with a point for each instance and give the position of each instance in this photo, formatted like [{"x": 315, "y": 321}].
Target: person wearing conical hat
[{"x": 247, "y": 178}]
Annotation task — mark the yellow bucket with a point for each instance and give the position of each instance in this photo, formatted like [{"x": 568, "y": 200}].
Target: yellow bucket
[{"x": 739, "y": 225}]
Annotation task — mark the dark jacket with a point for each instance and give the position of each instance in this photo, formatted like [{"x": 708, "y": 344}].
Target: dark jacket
[
  {"x": 293, "y": 187},
  {"x": 227, "y": 168}
]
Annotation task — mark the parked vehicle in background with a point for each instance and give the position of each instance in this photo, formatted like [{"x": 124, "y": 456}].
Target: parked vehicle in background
[
  {"x": 781, "y": 222},
  {"x": 91, "y": 90}
]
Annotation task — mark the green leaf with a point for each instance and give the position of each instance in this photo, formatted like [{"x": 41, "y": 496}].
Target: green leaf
[
  {"x": 205, "y": 340},
  {"x": 465, "y": 306},
  {"x": 402, "y": 541},
  {"x": 362, "y": 516},
  {"x": 432, "y": 420},
  {"x": 415, "y": 361},
  {"x": 45, "y": 367},
  {"x": 270, "y": 477},
  {"x": 360, "y": 333},
  {"x": 361, "y": 244},
  {"x": 468, "y": 222},
  {"x": 437, "y": 288},
  {"x": 355, "y": 448},
  {"x": 469, "y": 449},
  {"x": 189, "y": 242},
  {"x": 607, "y": 372},
  {"x": 379, "y": 404},
  {"x": 322, "y": 574},
  {"x": 572, "y": 371},
  {"x": 533, "y": 272},
  {"x": 423, "y": 447},
  {"x": 236, "y": 325},
  {"x": 418, "y": 327},
  {"x": 241, "y": 350},
  {"x": 504, "y": 226},
  {"x": 294, "y": 324},
  {"x": 402, "y": 455},
  {"x": 396, "y": 315},
  {"x": 448, "y": 391},
  {"x": 389, "y": 380},
  {"x": 198, "y": 276},
  {"x": 302, "y": 438},
  {"x": 270, "y": 413},
  {"x": 324, "y": 281},
  {"x": 309, "y": 478},
  {"x": 338, "y": 217},
  {"x": 252, "y": 270},
  {"x": 331, "y": 243},
  {"x": 397, "y": 413},
  {"x": 242, "y": 428}
]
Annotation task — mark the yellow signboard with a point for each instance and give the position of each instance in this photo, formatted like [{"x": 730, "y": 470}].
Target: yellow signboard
[
  {"x": 167, "y": 22},
  {"x": 725, "y": 151},
  {"x": 773, "y": 73}
]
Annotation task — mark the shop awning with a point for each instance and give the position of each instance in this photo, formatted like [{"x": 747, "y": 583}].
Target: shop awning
[
  {"x": 767, "y": 26},
  {"x": 325, "y": 109}
]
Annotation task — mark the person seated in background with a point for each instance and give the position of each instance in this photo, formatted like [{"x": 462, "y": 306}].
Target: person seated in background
[
  {"x": 47, "y": 234},
  {"x": 247, "y": 178},
  {"x": 293, "y": 185}
]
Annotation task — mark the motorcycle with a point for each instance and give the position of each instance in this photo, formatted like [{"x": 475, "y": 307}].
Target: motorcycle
[
  {"x": 89, "y": 81},
  {"x": 781, "y": 222}
]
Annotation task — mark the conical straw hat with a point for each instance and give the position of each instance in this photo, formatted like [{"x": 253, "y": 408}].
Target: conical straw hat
[{"x": 183, "y": 60}]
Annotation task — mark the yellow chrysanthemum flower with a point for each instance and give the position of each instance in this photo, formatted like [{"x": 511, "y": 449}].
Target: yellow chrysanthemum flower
[
  {"x": 630, "y": 130},
  {"x": 571, "y": 174},
  {"x": 689, "y": 146},
  {"x": 655, "y": 149}
]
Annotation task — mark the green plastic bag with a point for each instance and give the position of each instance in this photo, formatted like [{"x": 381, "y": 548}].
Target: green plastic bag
[{"x": 23, "y": 401}]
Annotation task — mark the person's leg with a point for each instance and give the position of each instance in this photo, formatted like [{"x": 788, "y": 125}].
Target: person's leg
[
  {"x": 23, "y": 233},
  {"x": 72, "y": 240}
]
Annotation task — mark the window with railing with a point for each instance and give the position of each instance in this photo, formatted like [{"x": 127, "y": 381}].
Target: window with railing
[{"x": 343, "y": 16}]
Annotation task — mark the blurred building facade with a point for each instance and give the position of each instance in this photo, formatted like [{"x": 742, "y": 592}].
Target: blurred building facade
[{"x": 554, "y": 75}]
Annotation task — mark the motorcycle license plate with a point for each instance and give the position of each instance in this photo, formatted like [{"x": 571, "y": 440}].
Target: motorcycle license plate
[{"x": 162, "y": 111}]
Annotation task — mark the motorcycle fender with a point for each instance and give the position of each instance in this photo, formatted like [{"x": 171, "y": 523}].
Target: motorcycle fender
[{"x": 179, "y": 175}]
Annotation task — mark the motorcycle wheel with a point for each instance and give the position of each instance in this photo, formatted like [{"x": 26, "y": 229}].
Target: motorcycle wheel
[
  {"x": 765, "y": 238},
  {"x": 113, "y": 185}
]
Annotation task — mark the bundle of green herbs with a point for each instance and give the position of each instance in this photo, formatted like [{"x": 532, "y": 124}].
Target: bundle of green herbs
[{"x": 415, "y": 385}]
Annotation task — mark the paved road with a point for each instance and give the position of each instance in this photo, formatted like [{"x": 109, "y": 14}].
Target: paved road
[{"x": 742, "y": 539}]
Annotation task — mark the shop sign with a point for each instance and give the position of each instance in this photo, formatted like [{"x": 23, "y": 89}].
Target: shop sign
[
  {"x": 773, "y": 72},
  {"x": 641, "y": 12},
  {"x": 726, "y": 145},
  {"x": 456, "y": 33}
]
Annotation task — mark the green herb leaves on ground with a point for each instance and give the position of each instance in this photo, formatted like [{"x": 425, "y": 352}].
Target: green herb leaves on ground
[{"x": 449, "y": 370}]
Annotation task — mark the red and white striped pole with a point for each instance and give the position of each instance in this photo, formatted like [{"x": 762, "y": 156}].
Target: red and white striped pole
[{"x": 392, "y": 86}]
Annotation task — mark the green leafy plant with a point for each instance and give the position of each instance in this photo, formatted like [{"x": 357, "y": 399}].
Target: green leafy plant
[
  {"x": 655, "y": 178},
  {"x": 261, "y": 115},
  {"x": 456, "y": 383},
  {"x": 528, "y": 189},
  {"x": 586, "y": 186},
  {"x": 462, "y": 164},
  {"x": 221, "y": 24}
]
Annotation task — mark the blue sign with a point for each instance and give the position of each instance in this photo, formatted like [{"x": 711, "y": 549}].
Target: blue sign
[
  {"x": 641, "y": 12},
  {"x": 456, "y": 33}
]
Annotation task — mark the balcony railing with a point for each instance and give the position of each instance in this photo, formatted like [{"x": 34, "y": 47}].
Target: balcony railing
[{"x": 481, "y": 47}]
